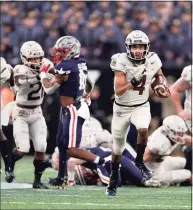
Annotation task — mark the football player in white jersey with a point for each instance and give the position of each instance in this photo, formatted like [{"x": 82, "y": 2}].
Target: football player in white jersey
[
  {"x": 161, "y": 143},
  {"x": 183, "y": 84},
  {"x": 134, "y": 71},
  {"x": 6, "y": 72},
  {"x": 28, "y": 120}
]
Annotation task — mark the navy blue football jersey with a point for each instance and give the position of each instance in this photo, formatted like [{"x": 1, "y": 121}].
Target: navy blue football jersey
[{"x": 77, "y": 71}]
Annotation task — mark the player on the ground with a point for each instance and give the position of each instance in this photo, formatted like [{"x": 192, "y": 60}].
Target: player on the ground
[
  {"x": 85, "y": 173},
  {"x": 183, "y": 84},
  {"x": 70, "y": 79},
  {"x": 160, "y": 145},
  {"x": 134, "y": 72},
  {"x": 28, "y": 120},
  {"x": 6, "y": 72}
]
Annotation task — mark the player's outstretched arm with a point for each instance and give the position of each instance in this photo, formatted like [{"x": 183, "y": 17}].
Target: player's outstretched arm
[{"x": 50, "y": 85}]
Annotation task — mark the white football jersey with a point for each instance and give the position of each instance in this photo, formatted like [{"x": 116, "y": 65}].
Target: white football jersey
[
  {"x": 159, "y": 144},
  {"x": 187, "y": 76},
  {"x": 139, "y": 94},
  {"x": 31, "y": 94}
]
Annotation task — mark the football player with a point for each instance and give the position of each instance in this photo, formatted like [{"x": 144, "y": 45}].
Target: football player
[
  {"x": 81, "y": 171},
  {"x": 183, "y": 84},
  {"x": 28, "y": 120},
  {"x": 160, "y": 145},
  {"x": 134, "y": 71},
  {"x": 70, "y": 79},
  {"x": 6, "y": 72}
]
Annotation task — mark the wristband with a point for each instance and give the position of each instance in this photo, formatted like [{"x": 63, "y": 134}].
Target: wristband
[{"x": 134, "y": 82}]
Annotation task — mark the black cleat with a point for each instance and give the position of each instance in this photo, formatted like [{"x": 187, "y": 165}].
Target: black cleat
[
  {"x": 112, "y": 187},
  {"x": 9, "y": 176},
  {"x": 39, "y": 185},
  {"x": 58, "y": 182},
  {"x": 146, "y": 173}
]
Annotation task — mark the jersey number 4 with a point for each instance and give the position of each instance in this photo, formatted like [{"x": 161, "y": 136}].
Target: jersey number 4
[
  {"x": 31, "y": 96},
  {"x": 141, "y": 86}
]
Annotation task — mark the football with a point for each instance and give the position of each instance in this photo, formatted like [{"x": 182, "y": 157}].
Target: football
[{"x": 157, "y": 85}]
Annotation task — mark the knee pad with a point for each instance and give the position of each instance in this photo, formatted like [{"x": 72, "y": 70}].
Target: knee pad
[
  {"x": 23, "y": 147},
  {"x": 41, "y": 147},
  {"x": 118, "y": 146}
]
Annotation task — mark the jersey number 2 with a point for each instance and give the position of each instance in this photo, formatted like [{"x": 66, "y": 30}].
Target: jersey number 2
[
  {"x": 141, "y": 85},
  {"x": 30, "y": 96}
]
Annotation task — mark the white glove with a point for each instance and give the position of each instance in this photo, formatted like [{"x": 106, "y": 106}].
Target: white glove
[{"x": 139, "y": 72}]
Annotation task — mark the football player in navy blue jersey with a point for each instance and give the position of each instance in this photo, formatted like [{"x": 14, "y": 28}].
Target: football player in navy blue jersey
[{"x": 70, "y": 78}]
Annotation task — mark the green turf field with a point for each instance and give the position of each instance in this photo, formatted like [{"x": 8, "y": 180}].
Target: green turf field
[{"x": 81, "y": 197}]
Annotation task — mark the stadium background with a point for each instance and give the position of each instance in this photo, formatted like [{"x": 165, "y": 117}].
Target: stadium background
[{"x": 101, "y": 27}]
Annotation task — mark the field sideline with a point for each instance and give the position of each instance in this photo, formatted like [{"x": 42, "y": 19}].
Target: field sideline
[{"x": 89, "y": 197}]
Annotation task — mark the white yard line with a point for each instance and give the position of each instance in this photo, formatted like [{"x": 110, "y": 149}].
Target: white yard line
[{"x": 99, "y": 204}]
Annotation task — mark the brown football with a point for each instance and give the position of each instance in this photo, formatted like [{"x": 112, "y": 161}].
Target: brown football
[{"x": 157, "y": 84}]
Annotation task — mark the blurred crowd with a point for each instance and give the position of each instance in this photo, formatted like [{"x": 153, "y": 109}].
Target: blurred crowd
[{"x": 101, "y": 27}]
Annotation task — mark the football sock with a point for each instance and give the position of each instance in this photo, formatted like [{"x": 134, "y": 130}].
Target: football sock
[
  {"x": 5, "y": 153},
  {"x": 15, "y": 157},
  {"x": 63, "y": 157},
  {"x": 115, "y": 166},
  {"x": 140, "y": 152},
  {"x": 39, "y": 168}
]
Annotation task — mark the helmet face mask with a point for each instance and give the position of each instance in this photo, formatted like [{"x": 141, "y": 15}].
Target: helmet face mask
[
  {"x": 32, "y": 55},
  {"x": 134, "y": 42},
  {"x": 67, "y": 47}
]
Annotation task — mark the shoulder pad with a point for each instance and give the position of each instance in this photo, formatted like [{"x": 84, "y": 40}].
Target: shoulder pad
[
  {"x": 186, "y": 73},
  {"x": 119, "y": 62},
  {"x": 154, "y": 60},
  {"x": 20, "y": 70},
  {"x": 65, "y": 67},
  {"x": 5, "y": 75},
  {"x": 158, "y": 143}
]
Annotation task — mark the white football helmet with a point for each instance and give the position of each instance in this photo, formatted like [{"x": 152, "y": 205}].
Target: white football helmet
[
  {"x": 137, "y": 37},
  {"x": 29, "y": 50},
  {"x": 66, "y": 47},
  {"x": 90, "y": 129},
  {"x": 174, "y": 126}
]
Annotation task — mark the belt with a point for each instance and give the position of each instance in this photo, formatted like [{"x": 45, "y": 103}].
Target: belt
[
  {"x": 132, "y": 105},
  {"x": 27, "y": 107}
]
